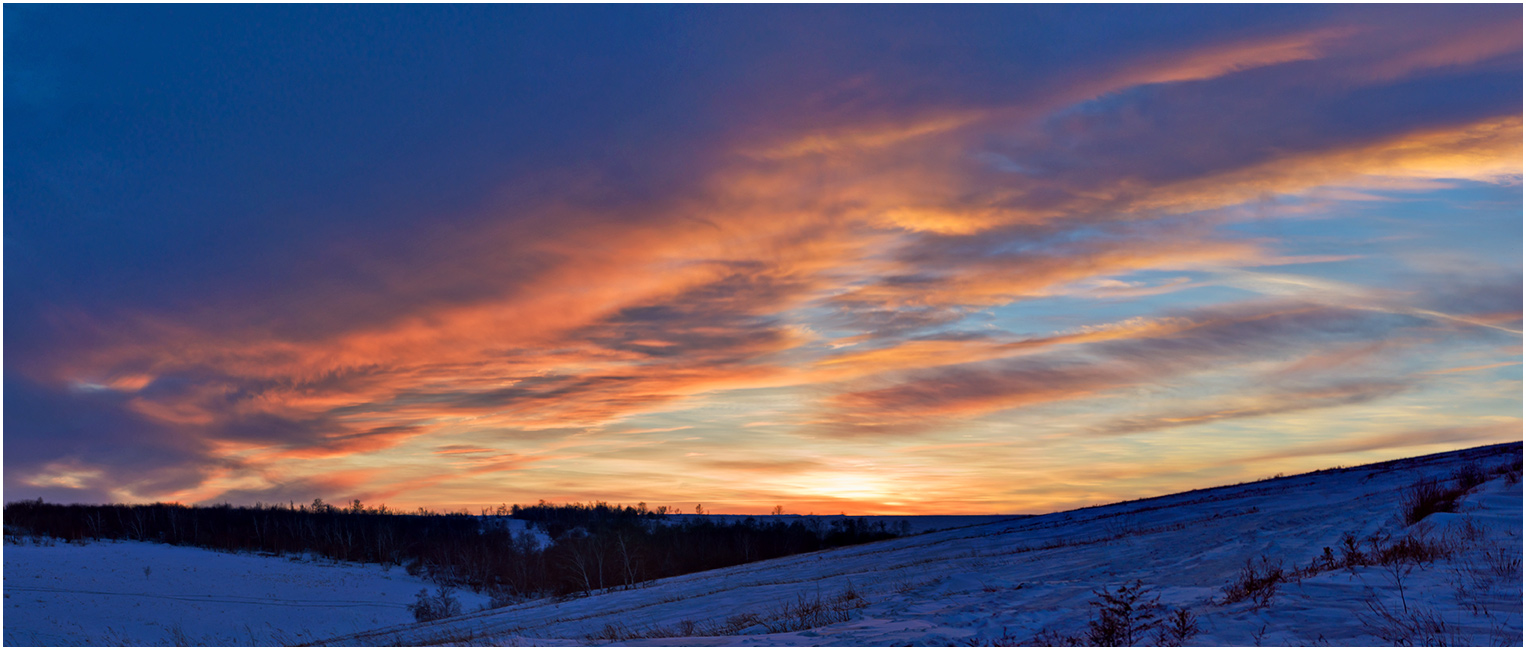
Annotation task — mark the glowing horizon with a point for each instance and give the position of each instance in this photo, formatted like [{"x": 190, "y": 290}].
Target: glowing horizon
[{"x": 912, "y": 261}]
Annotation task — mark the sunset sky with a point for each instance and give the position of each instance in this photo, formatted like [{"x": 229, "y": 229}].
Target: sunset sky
[{"x": 875, "y": 260}]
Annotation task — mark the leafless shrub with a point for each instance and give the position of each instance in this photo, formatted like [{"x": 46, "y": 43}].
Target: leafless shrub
[
  {"x": 500, "y": 597},
  {"x": 442, "y": 604},
  {"x": 178, "y": 638},
  {"x": 1124, "y": 615},
  {"x": 1048, "y": 637},
  {"x": 1479, "y": 568},
  {"x": 1468, "y": 532},
  {"x": 1351, "y": 552},
  {"x": 906, "y": 586},
  {"x": 1410, "y": 548},
  {"x": 1257, "y": 582},
  {"x": 1414, "y": 548},
  {"x": 1409, "y": 627},
  {"x": 1512, "y": 472},
  {"x": 1179, "y": 628},
  {"x": 1006, "y": 640},
  {"x": 1326, "y": 561},
  {"x": 613, "y": 631},
  {"x": 1426, "y": 498},
  {"x": 619, "y": 631},
  {"x": 1469, "y": 476},
  {"x": 806, "y": 613},
  {"x": 1502, "y": 562},
  {"x": 736, "y": 623}
]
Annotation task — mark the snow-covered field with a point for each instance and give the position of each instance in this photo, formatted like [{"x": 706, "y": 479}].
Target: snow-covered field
[
  {"x": 1007, "y": 582},
  {"x": 1004, "y": 582},
  {"x": 141, "y": 593}
]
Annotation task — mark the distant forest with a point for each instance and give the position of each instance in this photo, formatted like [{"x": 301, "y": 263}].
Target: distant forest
[{"x": 593, "y": 546}]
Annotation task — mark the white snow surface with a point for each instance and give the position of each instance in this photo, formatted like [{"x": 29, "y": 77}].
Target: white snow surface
[
  {"x": 1000, "y": 582},
  {"x": 1005, "y": 582},
  {"x": 142, "y": 593}
]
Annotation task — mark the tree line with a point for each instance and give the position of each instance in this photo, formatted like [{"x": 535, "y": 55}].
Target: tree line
[{"x": 592, "y": 546}]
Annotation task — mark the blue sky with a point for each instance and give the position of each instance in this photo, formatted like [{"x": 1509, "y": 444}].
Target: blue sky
[{"x": 914, "y": 259}]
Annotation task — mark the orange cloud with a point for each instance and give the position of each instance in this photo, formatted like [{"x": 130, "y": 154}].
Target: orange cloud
[
  {"x": 1404, "y": 54},
  {"x": 572, "y": 314},
  {"x": 1487, "y": 366},
  {"x": 1002, "y": 279},
  {"x": 1488, "y": 151},
  {"x": 1446, "y": 436},
  {"x": 1130, "y": 355},
  {"x": 923, "y": 354},
  {"x": 1227, "y": 58},
  {"x": 1289, "y": 401},
  {"x": 861, "y": 139}
]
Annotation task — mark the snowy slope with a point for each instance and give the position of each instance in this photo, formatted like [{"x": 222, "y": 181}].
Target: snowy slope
[
  {"x": 141, "y": 593},
  {"x": 1009, "y": 581}
]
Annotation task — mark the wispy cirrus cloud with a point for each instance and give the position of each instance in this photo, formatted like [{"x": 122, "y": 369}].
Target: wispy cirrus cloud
[
  {"x": 1156, "y": 352},
  {"x": 897, "y": 263},
  {"x": 1304, "y": 398}
]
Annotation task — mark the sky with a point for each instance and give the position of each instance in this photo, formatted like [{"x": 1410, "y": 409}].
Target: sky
[{"x": 872, "y": 260}]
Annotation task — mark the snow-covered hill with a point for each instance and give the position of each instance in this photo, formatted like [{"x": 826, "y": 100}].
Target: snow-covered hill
[
  {"x": 1015, "y": 581},
  {"x": 1033, "y": 580}
]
